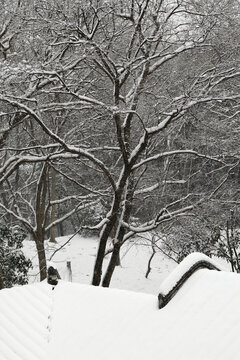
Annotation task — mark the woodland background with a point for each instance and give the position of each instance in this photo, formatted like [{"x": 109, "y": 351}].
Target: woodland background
[{"x": 120, "y": 118}]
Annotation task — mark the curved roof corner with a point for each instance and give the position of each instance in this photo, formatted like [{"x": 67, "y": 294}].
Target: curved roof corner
[{"x": 182, "y": 273}]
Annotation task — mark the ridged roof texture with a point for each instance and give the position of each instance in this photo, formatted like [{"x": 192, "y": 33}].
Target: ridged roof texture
[
  {"x": 201, "y": 321},
  {"x": 25, "y": 315}
]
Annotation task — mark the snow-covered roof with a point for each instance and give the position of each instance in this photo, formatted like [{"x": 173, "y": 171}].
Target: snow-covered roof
[
  {"x": 201, "y": 322},
  {"x": 182, "y": 273},
  {"x": 24, "y": 322}
]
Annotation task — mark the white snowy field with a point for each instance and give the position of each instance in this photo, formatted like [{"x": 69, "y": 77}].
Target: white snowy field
[{"x": 81, "y": 252}]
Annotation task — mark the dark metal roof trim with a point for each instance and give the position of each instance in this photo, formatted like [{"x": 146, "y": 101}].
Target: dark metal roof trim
[{"x": 163, "y": 299}]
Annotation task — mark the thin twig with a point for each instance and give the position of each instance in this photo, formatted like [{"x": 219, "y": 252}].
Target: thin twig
[{"x": 65, "y": 243}]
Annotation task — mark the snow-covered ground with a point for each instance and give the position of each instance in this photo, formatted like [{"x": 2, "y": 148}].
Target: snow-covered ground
[{"x": 81, "y": 251}]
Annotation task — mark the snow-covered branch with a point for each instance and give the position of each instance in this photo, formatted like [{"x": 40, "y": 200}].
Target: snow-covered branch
[
  {"x": 173, "y": 153},
  {"x": 70, "y": 213},
  {"x": 158, "y": 184},
  {"x": 69, "y": 198},
  {"x": 77, "y": 151},
  {"x": 189, "y": 45},
  {"x": 84, "y": 187},
  {"x": 98, "y": 226},
  {"x": 15, "y": 161},
  {"x": 153, "y": 224},
  {"x": 18, "y": 217}
]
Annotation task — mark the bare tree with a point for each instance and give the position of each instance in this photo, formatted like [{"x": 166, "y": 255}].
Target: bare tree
[{"x": 108, "y": 83}]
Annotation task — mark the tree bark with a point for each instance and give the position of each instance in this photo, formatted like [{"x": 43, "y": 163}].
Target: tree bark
[
  {"x": 230, "y": 248},
  {"x": 114, "y": 240},
  {"x": 40, "y": 219},
  {"x": 106, "y": 231},
  {"x": 111, "y": 265},
  {"x": 126, "y": 212},
  {"x": 97, "y": 274},
  {"x": 1, "y": 279},
  {"x": 41, "y": 258},
  {"x": 53, "y": 208}
]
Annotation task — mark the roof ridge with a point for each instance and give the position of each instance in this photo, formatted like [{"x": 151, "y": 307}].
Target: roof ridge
[{"x": 187, "y": 267}]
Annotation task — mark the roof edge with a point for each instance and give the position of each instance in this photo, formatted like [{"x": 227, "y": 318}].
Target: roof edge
[{"x": 204, "y": 263}]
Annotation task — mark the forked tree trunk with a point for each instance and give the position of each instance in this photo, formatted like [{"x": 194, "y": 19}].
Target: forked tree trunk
[
  {"x": 120, "y": 232},
  {"x": 106, "y": 231},
  {"x": 125, "y": 216},
  {"x": 97, "y": 274}
]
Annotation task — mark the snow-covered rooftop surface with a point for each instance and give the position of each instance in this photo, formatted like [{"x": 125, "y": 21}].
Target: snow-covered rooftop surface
[
  {"x": 183, "y": 267},
  {"x": 202, "y": 322},
  {"x": 24, "y": 322}
]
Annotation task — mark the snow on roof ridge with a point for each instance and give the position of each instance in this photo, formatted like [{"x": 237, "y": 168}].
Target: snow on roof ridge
[{"x": 182, "y": 273}]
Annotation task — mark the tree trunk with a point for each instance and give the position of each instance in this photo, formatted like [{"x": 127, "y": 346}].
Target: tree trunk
[
  {"x": 41, "y": 258},
  {"x": 53, "y": 208},
  {"x": 125, "y": 216},
  {"x": 106, "y": 231},
  {"x": 1, "y": 279},
  {"x": 114, "y": 240},
  {"x": 118, "y": 262},
  {"x": 60, "y": 229},
  {"x": 97, "y": 274},
  {"x": 111, "y": 265},
  {"x": 40, "y": 221},
  {"x": 229, "y": 247}
]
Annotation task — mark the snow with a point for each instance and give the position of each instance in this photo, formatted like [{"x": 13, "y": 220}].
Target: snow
[
  {"x": 81, "y": 252},
  {"x": 183, "y": 267},
  {"x": 201, "y": 323},
  {"x": 103, "y": 324},
  {"x": 24, "y": 321},
  {"x": 77, "y": 320},
  {"x": 73, "y": 321},
  {"x": 51, "y": 264}
]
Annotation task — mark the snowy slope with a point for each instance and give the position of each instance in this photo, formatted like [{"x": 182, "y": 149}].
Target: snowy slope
[{"x": 81, "y": 251}]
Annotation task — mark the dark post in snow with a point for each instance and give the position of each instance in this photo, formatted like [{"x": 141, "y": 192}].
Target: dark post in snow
[
  {"x": 53, "y": 275},
  {"x": 69, "y": 270}
]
